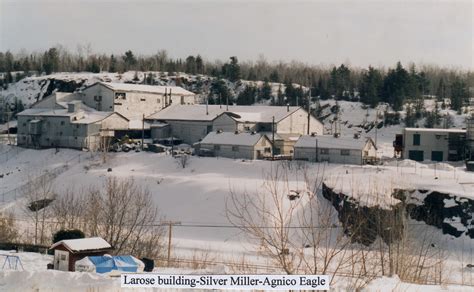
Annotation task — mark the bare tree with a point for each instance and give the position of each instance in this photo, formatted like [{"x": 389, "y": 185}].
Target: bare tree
[
  {"x": 8, "y": 228},
  {"x": 39, "y": 194},
  {"x": 125, "y": 215},
  {"x": 183, "y": 160}
]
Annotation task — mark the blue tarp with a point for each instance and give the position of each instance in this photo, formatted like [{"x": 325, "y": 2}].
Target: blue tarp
[{"x": 105, "y": 264}]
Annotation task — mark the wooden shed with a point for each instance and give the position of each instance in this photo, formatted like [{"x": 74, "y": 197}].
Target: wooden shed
[{"x": 67, "y": 252}]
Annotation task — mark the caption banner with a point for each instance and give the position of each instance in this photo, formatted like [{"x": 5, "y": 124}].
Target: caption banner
[{"x": 244, "y": 282}]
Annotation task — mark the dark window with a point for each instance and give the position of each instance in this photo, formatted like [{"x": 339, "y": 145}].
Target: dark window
[
  {"x": 142, "y": 99},
  {"x": 209, "y": 129},
  {"x": 235, "y": 148},
  {"x": 416, "y": 155},
  {"x": 436, "y": 155},
  {"x": 62, "y": 123},
  {"x": 120, "y": 95},
  {"x": 416, "y": 139},
  {"x": 324, "y": 151},
  {"x": 217, "y": 147},
  {"x": 345, "y": 152}
]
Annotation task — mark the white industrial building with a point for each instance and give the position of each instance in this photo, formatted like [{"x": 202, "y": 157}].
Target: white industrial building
[
  {"x": 74, "y": 127},
  {"x": 345, "y": 150},
  {"x": 134, "y": 101},
  {"x": 432, "y": 144},
  {"x": 237, "y": 145},
  {"x": 191, "y": 123}
]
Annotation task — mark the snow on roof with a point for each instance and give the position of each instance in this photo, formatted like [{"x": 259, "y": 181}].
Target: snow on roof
[
  {"x": 331, "y": 142},
  {"x": 230, "y": 138},
  {"x": 83, "y": 244},
  {"x": 175, "y": 90},
  {"x": 138, "y": 125},
  {"x": 84, "y": 117},
  {"x": 453, "y": 130},
  {"x": 241, "y": 113}
]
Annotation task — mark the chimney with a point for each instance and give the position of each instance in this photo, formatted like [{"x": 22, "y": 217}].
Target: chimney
[
  {"x": 73, "y": 106},
  {"x": 288, "y": 107},
  {"x": 207, "y": 106}
]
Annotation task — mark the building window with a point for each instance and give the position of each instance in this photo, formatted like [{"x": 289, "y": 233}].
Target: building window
[
  {"x": 120, "y": 95},
  {"x": 217, "y": 147},
  {"x": 268, "y": 150},
  {"x": 324, "y": 151},
  {"x": 416, "y": 139},
  {"x": 60, "y": 133},
  {"x": 62, "y": 123},
  {"x": 142, "y": 99},
  {"x": 235, "y": 148},
  {"x": 24, "y": 124},
  {"x": 209, "y": 129},
  {"x": 158, "y": 100},
  {"x": 345, "y": 152}
]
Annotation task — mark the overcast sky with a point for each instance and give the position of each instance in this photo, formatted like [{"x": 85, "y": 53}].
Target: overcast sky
[{"x": 359, "y": 33}]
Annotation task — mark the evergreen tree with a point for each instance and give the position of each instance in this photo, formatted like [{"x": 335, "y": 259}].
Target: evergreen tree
[
  {"x": 441, "y": 91},
  {"x": 339, "y": 82},
  {"x": 51, "y": 61},
  {"x": 113, "y": 66},
  {"x": 232, "y": 70},
  {"x": 265, "y": 92},
  {"x": 199, "y": 65},
  {"x": 191, "y": 66},
  {"x": 274, "y": 76},
  {"x": 220, "y": 91},
  {"x": 252, "y": 75},
  {"x": 129, "y": 60},
  {"x": 396, "y": 86},
  {"x": 371, "y": 87},
  {"x": 247, "y": 96},
  {"x": 280, "y": 96},
  {"x": 459, "y": 94},
  {"x": 410, "y": 117},
  {"x": 93, "y": 65}
]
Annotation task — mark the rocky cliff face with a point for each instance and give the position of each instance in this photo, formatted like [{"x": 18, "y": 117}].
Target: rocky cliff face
[
  {"x": 364, "y": 223},
  {"x": 453, "y": 215}
]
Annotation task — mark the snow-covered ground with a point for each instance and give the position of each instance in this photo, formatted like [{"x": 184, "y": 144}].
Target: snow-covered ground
[{"x": 196, "y": 195}]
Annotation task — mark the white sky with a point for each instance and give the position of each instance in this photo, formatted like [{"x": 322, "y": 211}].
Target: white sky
[{"x": 360, "y": 33}]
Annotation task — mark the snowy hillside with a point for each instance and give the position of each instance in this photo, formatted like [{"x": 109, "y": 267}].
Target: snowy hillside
[{"x": 31, "y": 89}]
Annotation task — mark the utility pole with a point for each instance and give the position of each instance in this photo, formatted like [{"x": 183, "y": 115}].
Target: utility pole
[
  {"x": 273, "y": 138},
  {"x": 309, "y": 109},
  {"x": 170, "y": 229},
  {"x": 143, "y": 130},
  {"x": 316, "y": 151}
]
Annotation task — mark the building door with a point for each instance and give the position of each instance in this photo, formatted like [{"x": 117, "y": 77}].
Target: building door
[
  {"x": 61, "y": 260},
  {"x": 436, "y": 155},
  {"x": 416, "y": 155}
]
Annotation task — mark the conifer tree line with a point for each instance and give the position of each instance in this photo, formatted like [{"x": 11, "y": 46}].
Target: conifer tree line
[{"x": 395, "y": 85}]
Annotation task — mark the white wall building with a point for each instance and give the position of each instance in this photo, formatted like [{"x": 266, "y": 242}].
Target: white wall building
[
  {"x": 345, "y": 150},
  {"x": 193, "y": 122},
  {"x": 433, "y": 144},
  {"x": 134, "y": 100},
  {"x": 74, "y": 127},
  {"x": 237, "y": 145}
]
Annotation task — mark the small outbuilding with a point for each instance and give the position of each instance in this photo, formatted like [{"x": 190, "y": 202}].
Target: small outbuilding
[
  {"x": 346, "y": 150},
  {"x": 237, "y": 145},
  {"x": 67, "y": 252}
]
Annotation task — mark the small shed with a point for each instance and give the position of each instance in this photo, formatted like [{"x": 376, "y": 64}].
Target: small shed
[
  {"x": 238, "y": 145},
  {"x": 345, "y": 150},
  {"x": 108, "y": 263},
  {"x": 67, "y": 252}
]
